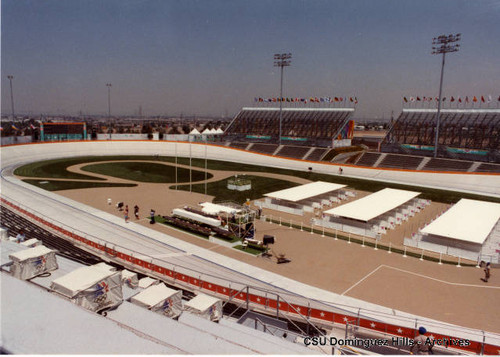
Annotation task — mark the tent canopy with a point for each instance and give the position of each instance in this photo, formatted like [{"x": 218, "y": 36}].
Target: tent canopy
[
  {"x": 154, "y": 295},
  {"x": 468, "y": 220},
  {"x": 303, "y": 192},
  {"x": 196, "y": 217},
  {"x": 80, "y": 279},
  {"x": 30, "y": 253},
  {"x": 212, "y": 208},
  {"x": 201, "y": 302},
  {"x": 373, "y": 205}
]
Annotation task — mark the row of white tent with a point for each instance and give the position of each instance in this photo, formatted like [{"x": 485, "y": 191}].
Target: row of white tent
[
  {"x": 207, "y": 131},
  {"x": 101, "y": 286}
]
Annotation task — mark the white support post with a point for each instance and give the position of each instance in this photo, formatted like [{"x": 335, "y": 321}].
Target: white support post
[
  {"x": 440, "y": 256},
  {"x": 290, "y": 224},
  {"x": 301, "y": 223},
  {"x": 389, "y": 251},
  {"x": 349, "y": 241},
  {"x": 422, "y": 256},
  {"x": 323, "y": 234},
  {"x": 376, "y": 245},
  {"x": 280, "y": 221},
  {"x": 363, "y": 245},
  {"x": 312, "y": 228},
  {"x": 458, "y": 265},
  {"x": 336, "y": 235},
  {"x": 404, "y": 254}
]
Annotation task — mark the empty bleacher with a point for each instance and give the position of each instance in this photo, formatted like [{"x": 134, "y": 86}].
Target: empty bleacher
[
  {"x": 264, "y": 148},
  {"x": 368, "y": 159},
  {"x": 488, "y": 168},
  {"x": 447, "y": 165},
  {"x": 316, "y": 154},
  {"x": 468, "y": 134},
  {"x": 306, "y": 124},
  {"x": 296, "y": 152},
  {"x": 238, "y": 145},
  {"x": 401, "y": 162},
  {"x": 15, "y": 223}
]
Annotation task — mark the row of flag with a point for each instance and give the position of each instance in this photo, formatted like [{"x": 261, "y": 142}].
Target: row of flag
[
  {"x": 474, "y": 99},
  {"x": 16, "y": 128},
  {"x": 308, "y": 100}
]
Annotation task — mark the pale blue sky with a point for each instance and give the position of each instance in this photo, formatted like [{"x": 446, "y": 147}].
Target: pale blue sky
[{"x": 209, "y": 57}]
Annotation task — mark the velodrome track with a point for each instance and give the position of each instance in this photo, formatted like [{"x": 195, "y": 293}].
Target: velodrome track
[{"x": 161, "y": 255}]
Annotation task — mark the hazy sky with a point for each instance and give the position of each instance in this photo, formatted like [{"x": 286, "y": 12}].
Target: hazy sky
[{"x": 213, "y": 57}]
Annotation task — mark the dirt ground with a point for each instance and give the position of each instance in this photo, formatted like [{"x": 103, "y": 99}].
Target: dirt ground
[{"x": 443, "y": 292}]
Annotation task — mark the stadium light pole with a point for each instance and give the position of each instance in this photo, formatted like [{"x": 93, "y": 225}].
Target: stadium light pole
[
  {"x": 442, "y": 45},
  {"x": 282, "y": 60},
  {"x": 10, "y": 77},
  {"x": 109, "y": 101}
]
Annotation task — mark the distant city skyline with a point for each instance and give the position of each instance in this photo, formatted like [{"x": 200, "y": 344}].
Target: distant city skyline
[{"x": 214, "y": 57}]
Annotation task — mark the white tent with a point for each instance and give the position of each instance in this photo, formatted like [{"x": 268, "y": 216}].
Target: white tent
[
  {"x": 196, "y": 217},
  {"x": 160, "y": 299},
  {"x": 147, "y": 281},
  {"x": 194, "y": 132},
  {"x": 31, "y": 262},
  {"x": 94, "y": 287},
  {"x": 31, "y": 243},
  {"x": 213, "y": 131},
  {"x": 207, "y": 131},
  {"x": 212, "y": 208},
  {"x": 205, "y": 306},
  {"x": 219, "y": 131},
  {"x": 130, "y": 278}
]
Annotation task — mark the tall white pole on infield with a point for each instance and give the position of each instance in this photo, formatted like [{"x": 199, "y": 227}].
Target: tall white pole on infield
[
  {"x": 190, "y": 167},
  {"x": 176, "y": 164},
  {"x": 206, "y": 174}
]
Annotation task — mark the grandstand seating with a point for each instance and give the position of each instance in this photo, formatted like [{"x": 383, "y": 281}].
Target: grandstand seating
[
  {"x": 368, "y": 159},
  {"x": 296, "y": 152},
  {"x": 488, "y": 168},
  {"x": 238, "y": 145},
  {"x": 447, "y": 165},
  {"x": 316, "y": 154},
  {"x": 264, "y": 148},
  {"x": 468, "y": 133},
  {"x": 15, "y": 223},
  {"x": 310, "y": 125},
  {"x": 401, "y": 162}
]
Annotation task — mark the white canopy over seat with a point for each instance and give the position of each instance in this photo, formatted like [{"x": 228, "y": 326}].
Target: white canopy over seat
[
  {"x": 303, "y": 192},
  {"x": 468, "y": 220},
  {"x": 373, "y": 205}
]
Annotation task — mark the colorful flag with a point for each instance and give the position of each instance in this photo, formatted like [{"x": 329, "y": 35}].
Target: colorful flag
[
  {"x": 14, "y": 127},
  {"x": 336, "y": 99},
  {"x": 452, "y": 99},
  {"x": 459, "y": 100},
  {"x": 418, "y": 99},
  {"x": 444, "y": 99},
  {"x": 466, "y": 99},
  {"x": 490, "y": 99},
  {"x": 474, "y": 99},
  {"x": 482, "y": 99},
  {"x": 412, "y": 99}
]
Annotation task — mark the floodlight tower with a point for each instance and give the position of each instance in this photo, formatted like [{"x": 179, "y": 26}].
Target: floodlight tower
[
  {"x": 10, "y": 77},
  {"x": 443, "y": 44},
  {"x": 109, "y": 101},
  {"x": 282, "y": 60}
]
